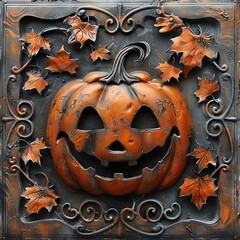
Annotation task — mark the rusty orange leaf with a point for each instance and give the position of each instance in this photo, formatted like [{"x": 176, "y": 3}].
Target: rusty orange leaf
[
  {"x": 207, "y": 88},
  {"x": 32, "y": 151},
  {"x": 193, "y": 48},
  {"x": 62, "y": 62},
  {"x": 39, "y": 197},
  {"x": 36, "y": 42},
  {"x": 200, "y": 188},
  {"x": 35, "y": 81},
  {"x": 204, "y": 157},
  {"x": 81, "y": 31},
  {"x": 168, "y": 71},
  {"x": 101, "y": 53},
  {"x": 168, "y": 22}
]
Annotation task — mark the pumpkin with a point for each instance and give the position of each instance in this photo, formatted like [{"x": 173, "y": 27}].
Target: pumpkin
[{"x": 119, "y": 133}]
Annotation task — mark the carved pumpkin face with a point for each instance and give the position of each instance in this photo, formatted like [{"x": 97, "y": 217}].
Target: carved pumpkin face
[{"x": 119, "y": 138}]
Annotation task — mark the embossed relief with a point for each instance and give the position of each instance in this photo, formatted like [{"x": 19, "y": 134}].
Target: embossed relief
[
  {"x": 118, "y": 98},
  {"x": 118, "y": 121}
]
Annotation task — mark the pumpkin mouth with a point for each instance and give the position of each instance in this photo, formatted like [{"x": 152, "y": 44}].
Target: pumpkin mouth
[{"x": 126, "y": 169}]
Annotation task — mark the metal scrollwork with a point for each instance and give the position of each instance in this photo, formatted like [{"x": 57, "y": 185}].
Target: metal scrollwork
[
  {"x": 149, "y": 213},
  {"x": 128, "y": 215},
  {"x": 145, "y": 220},
  {"x": 126, "y": 23},
  {"x": 222, "y": 68},
  {"x": 69, "y": 212},
  {"x": 223, "y": 167},
  {"x": 173, "y": 212},
  {"x": 91, "y": 211},
  {"x": 127, "y": 20},
  {"x": 218, "y": 117},
  {"x": 110, "y": 217},
  {"x": 110, "y": 22},
  {"x": 20, "y": 117}
]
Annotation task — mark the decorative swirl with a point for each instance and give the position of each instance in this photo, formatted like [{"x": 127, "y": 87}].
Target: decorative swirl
[
  {"x": 90, "y": 211},
  {"x": 129, "y": 215},
  {"x": 224, "y": 167},
  {"x": 110, "y": 215},
  {"x": 109, "y": 22},
  {"x": 150, "y": 210},
  {"x": 214, "y": 127},
  {"x": 25, "y": 109},
  {"x": 215, "y": 111},
  {"x": 15, "y": 168},
  {"x": 21, "y": 116},
  {"x": 112, "y": 24},
  {"x": 224, "y": 67},
  {"x": 24, "y": 128},
  {"x": 174, "y": 209},
  {"x": 130, "y": 21},
  {"x": 119, "y": 73},
  {"x": 94, "y": 220},
  {"x": 110, "y": 218},
  {"x": 74, "y": 212},
  {"x": 17, "y": 70},
  {"x": 214, "y": 108}
]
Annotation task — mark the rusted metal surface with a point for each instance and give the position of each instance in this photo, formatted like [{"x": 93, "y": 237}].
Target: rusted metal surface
[{"x": 119, "y": 120}]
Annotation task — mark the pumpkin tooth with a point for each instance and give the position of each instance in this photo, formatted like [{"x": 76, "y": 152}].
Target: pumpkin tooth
[
  {"x": 132, "y": 162},
  {"x": 118, "y": 175},
  {"x": 91, "y": 171},
  {"x": 147, "y": 171},
  {"x": 105, "y": 163}
]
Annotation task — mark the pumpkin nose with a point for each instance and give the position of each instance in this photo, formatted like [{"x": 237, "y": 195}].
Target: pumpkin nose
[{"x": 116, "y": 147}]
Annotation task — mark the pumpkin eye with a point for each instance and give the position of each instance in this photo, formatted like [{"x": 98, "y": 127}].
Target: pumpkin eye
[
  {"x": 145, "y": 119},
  {"x": 90, "y": 120}
]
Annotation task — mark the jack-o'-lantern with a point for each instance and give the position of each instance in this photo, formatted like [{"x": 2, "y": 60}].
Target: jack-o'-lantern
[{"x": 119, "y": 133}]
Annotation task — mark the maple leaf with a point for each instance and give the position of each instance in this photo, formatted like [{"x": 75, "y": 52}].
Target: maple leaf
[
  {"x": 207, "y": 88},
  {"x": 36, "y": 42},
  {"x": 168, "y": 22},
  {"x": 168, "y": 71},
  {"x": 32, "y": 152},
  {"x": 62, "y": 62},
  {"x": 101, "y": 53},
  {"x": 193, "y": 48},
  {"x": 35, "y": 81},
  {"x": 39, "y": 197},
  {"x": 204, "y": 157},
  {"x": 200, "y": 188},
  {"x": 81, "y": 31}
]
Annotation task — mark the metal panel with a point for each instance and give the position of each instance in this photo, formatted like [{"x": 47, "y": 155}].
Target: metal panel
[{"x": 119, "y": 119}]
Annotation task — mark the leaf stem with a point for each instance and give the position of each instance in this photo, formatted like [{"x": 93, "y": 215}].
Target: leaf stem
[
  {"x": 51, "y": 29},
  {"x": 110, "y": 46},
  {"x": 17, "y": 70},
  {"x": 22, "y": 140},
  {"x": 225, "y": 168},
  {"x": 47, "y": 179},
  {"x": 223, "y": 68},
  {"x": 16, "y": 167}
]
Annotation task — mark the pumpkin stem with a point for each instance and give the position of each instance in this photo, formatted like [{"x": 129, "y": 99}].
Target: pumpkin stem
[{"x": 119, "y": 73}]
